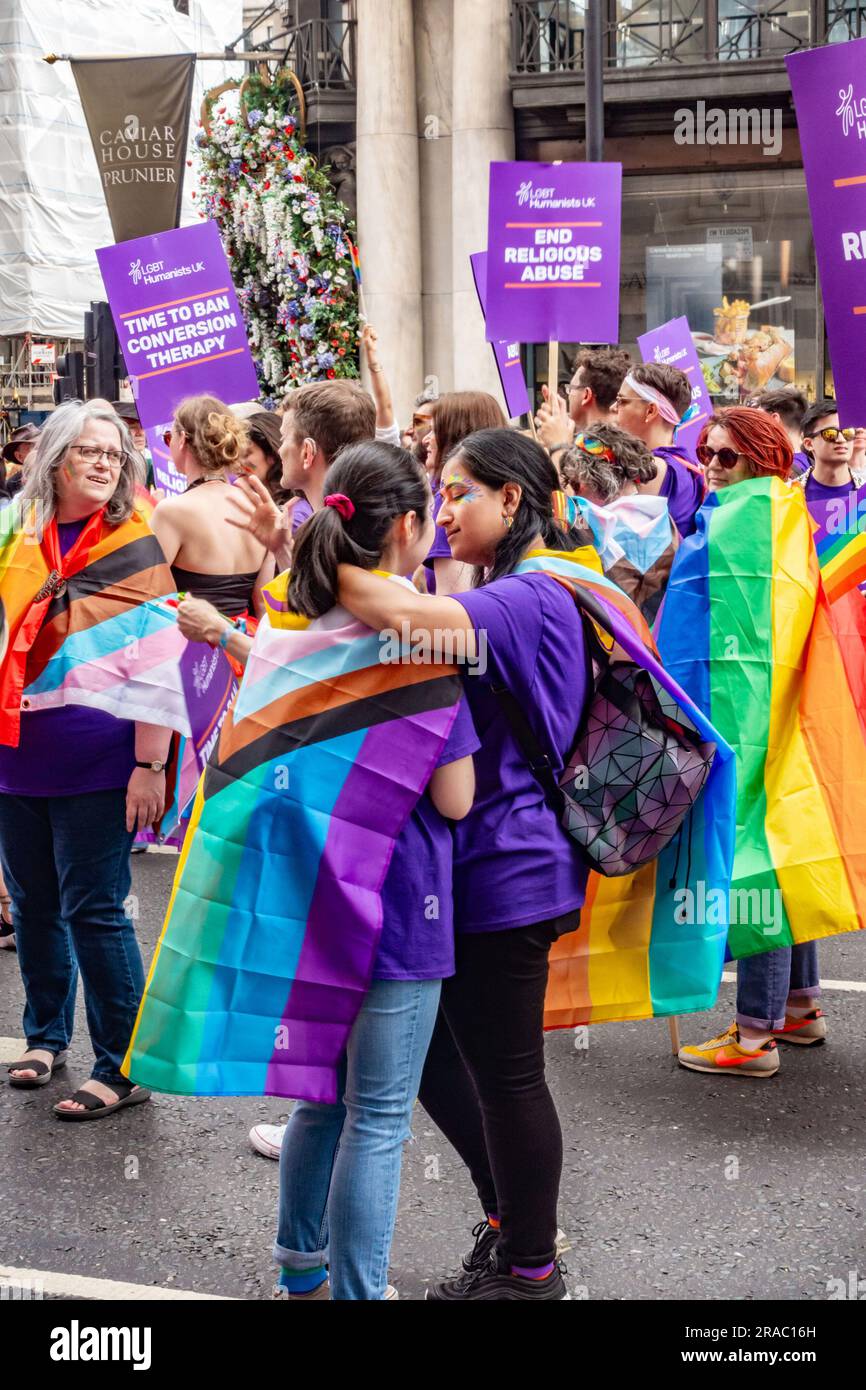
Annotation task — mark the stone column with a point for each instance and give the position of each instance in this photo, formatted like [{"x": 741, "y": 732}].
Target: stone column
[
  {"x": 433, "y": 49},
  {"x": 389, "y": 225},
  {"x": 483, "y": 130}
]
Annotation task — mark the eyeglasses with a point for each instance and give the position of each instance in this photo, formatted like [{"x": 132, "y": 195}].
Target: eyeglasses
[
  {"x": 627, "y": 400},
  {"x": 419, "y": 421},
  {"x": 91, "y": 454},
  {"x": 831, "y": 434},
  {"x": 727, "y": 457}
]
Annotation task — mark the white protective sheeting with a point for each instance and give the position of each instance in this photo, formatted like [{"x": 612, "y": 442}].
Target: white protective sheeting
[{"x": 52, "y": 209}]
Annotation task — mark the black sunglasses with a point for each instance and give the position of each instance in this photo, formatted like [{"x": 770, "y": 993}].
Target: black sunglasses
[{"x": 727, "y": 457}]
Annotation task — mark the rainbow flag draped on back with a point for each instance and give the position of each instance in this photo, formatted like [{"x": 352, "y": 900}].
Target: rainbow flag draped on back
[
  {"x": 275, "y": 915},
  {"x": 748, "y": 630},
  {"x": 98, "y": 627},
  {"x": 636, "y": 954}
]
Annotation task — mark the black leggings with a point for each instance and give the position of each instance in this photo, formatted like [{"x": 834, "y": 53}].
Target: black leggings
[{"x": 484, "y": 1086}]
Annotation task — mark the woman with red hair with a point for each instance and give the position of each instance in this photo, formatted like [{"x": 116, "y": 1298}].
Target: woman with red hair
[
  {"x": 777, "y": 990},
  {"x": 741, "y": 443}
]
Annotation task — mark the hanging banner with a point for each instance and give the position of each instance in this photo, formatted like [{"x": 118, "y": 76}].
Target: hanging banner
[
  {"x": 672, "y": 345},
  {"x": 507, "y": 355},
  {"x": 180, "y": 328},
  {"x": 829, "y": 89},
  {"x": 553, "y": 245},
  {"x": 137, "y": 112}
]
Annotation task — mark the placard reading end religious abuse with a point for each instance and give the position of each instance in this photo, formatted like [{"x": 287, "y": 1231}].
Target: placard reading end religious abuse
[
  {"x": 180, "y": 327},
  {"x": 553, "y": 246}
]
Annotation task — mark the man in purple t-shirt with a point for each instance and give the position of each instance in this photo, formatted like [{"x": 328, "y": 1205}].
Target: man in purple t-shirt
[
  {"x": 829, "y": 450},
  {"x": 651, "y": 403}
]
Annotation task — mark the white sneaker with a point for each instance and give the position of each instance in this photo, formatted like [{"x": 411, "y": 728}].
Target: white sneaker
[{"x": 267, "y": 1139}]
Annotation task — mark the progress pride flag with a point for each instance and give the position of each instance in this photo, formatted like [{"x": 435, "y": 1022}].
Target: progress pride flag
[
  {"x": 829, "y": 88},
  {"x": 180, "y": 328},
  {"x": 553, "y": 246},
  {"x": 507, "y": 355}
]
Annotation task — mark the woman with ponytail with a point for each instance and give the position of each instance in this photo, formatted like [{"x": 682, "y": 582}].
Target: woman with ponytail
[
  {"x": 519, "y": 881},
  {"x": 210, "y": 559},
  {"x": 340, "y": 1164}
]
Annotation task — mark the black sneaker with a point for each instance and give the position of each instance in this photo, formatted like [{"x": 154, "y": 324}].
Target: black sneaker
[
  {"x": 485, "y": 1243},
  {"x": 492, "y": 1283}
]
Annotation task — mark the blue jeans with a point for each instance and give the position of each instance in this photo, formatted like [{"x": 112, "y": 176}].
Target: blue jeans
[
  {"x": 340, "y": 1164},
  {"x": 66, "y": 864},
  {"x": 765, "y": 982}
]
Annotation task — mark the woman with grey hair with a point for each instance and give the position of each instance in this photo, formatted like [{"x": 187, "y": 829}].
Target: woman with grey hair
[
  {"x": 605, "y": 463},
  {"x": 75, "y": 782}
]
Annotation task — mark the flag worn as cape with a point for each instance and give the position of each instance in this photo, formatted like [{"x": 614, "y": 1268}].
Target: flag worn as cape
[
  {"x": 275, "y": 915},
  {"x": 105, "y": 635},
  {"x": 748, "y": 631},
  {"x": 641, "y": 950},
  {"x": 636, "y": 541}
]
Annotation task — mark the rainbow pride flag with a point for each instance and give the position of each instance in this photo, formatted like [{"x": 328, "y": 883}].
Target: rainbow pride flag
[
  {"x": 840, "y": 542},
  {"x": 749, "y": 632},
  {"x": 275, "y": 914},
  {"x": 640, "y": 952}
]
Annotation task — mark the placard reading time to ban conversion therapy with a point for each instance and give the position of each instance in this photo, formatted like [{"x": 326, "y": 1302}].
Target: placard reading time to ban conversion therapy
[{"x": 177, "y": 316}]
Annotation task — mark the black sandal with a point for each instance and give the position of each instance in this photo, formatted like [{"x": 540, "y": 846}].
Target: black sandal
[
  {"x": 43, "y": 1071},
  {"x": 95, "y": 1109}
]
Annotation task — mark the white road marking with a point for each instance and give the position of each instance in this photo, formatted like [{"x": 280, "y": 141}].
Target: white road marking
[
  {"x": 11, "y": 1049},
  {"x": 858, "y": 985},
  {"x": 37, "y": 1282}
]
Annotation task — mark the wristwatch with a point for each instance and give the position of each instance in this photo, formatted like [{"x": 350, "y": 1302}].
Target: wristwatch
[{"x": 155, "y": 766}]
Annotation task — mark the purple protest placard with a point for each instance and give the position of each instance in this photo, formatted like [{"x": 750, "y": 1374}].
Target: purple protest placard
[
  {"x": 553, "y": 245},
  {"x": 829, "y": 89},
  {"x": 165, "y": 475},
  {"x": 180, "y": 327},
  {"x": 507, "y": 355},
  {"x": 210, "y": 686},
  {"x": 671, "y": 344}
]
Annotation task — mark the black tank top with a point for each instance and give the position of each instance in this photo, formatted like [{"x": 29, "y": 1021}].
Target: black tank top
[{"x": 232, "y": 594}]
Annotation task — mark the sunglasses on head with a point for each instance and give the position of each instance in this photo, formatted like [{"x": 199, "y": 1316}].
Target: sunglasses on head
[
  {"x": 727, "y": 457},
  {"x": 831, "y": 434}
]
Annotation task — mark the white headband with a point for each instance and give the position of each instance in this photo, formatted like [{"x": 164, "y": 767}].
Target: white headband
[{"x": 649, "y": 393}]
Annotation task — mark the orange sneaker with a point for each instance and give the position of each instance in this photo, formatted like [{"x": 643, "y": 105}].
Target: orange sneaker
[
  {"x": 807, "y": 1031},
  {"x": 724, "y": 1054}
]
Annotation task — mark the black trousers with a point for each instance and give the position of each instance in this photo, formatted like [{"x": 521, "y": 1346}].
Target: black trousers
[{"x": 484, "y": 1085}]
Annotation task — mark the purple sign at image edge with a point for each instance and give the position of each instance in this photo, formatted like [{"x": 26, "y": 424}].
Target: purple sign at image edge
[
  {"x": 553, "y": 246},
  {"x": 829, "y": 92},
  {"x": 506, "y": 355},
  {"x": 178, "y": 321},
  {"x": 672, "y": 344}
]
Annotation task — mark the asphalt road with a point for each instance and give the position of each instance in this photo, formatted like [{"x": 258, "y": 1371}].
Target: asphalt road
[{"x": 675, "y": 1185}]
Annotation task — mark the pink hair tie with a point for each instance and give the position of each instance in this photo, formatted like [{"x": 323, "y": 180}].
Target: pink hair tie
[{"x": 343, "y": 504}]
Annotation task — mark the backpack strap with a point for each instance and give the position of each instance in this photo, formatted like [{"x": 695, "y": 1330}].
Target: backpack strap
[{"x": 538, "y": 760}]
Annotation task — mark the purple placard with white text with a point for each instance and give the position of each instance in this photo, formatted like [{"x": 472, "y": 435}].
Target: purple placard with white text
[
  {"x": 829, "y": 89},
  {"x": 553, "y": 244},
  {"x": 671, "y": 345},
  {"x": 165, "y": 475},
  {"x": 507, "y": 354},
  {"x": 210, "y": 686},
  {"x": 177, "y": 317}
]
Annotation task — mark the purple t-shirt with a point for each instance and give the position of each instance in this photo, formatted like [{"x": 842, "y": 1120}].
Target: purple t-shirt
[
  {"x": 802, "y": 463},
  {"x": 820, "y": 492},
  {"x": 513, "y": 862},
  {"x": 440, "y": 549},
  {"x": 683, "y": 488},
  {"x": 301, "y": 512},
  {"x": 66, "y": 751},
  {"x": 417, "y": 941}
]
